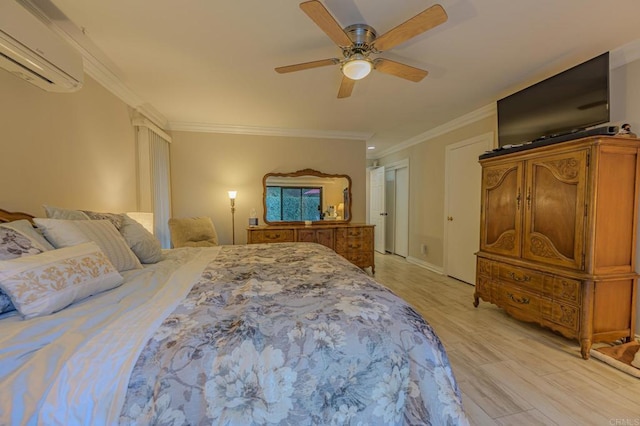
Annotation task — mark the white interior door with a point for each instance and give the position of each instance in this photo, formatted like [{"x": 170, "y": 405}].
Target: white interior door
[
  {"x": 401, "y": 245},
  {"x": 462, "y": 215},
  {"x": 377, "y": 208},
  {"x": 390, "y": 209}
]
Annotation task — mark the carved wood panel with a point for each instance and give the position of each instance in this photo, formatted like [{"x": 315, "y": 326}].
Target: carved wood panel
[{"x": 555, "y": 211}]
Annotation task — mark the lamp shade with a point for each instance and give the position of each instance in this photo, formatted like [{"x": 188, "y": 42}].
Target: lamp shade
[
  {"x": 232, "y": 195},
  {"x": 143, "y": 218},
  {"x": 356, "y": 68}
]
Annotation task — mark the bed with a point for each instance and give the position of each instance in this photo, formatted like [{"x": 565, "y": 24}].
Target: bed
[{"x": 287, "y": 333}]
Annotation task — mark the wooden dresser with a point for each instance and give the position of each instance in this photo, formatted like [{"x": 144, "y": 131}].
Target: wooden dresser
[
  {"x": 352, "y": 241},
  {"x": 558, "y": 237}
]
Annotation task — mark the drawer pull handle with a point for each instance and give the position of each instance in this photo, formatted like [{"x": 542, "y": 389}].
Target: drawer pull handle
[
  {"x": 520, "y": 279},
  {"x": 355, "y": 246},
  {"x": 273, "y": 236},
  {"x": 522, "y": 301}
]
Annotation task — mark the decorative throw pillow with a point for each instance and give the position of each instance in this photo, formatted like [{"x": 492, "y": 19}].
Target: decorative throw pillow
[
  {"x": 115, "y": 219},
  {"x": 67, "y": 233},
  {"x": 142, "y": 242},
  {"x": 45, "y": 283},
  {"x": 14, "y": 244},
  {"x": 26, "y": 228},
  {"x": 59, "y": 213},
  {"x": 6, "y": 305}
]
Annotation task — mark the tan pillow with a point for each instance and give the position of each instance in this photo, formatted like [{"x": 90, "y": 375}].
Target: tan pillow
[{"x": 192, "y": 232}]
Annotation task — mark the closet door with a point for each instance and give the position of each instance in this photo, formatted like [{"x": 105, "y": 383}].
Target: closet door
[
  {"x": 555, "y": 213},
  {"x": 502, "y": 206}
]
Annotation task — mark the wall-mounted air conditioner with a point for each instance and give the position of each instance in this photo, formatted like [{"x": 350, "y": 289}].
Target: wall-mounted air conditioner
[{"x": 32, "y": 51}]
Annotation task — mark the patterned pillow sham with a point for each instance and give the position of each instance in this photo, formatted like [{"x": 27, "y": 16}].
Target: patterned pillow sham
[
  {"x": 26, "y": 228},
  {"x": 115, "y": 219},
  {"x": 14, "y": 244},
  {"x": 6, "y": 305},
  {"x": 66, "y": 233},
  {"x": 48, "y": 282}
]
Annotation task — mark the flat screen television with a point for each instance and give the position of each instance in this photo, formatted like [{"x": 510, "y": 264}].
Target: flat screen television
[{"x": 573, "y": 100}]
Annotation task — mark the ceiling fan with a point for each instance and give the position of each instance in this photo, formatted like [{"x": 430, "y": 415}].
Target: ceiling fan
[{"x": 359, "y": 41}]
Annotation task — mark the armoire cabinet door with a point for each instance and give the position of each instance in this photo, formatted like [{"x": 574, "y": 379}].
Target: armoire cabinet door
[
  {"x": 502, "y": 205},
  {"x": 555, "y": 209}
]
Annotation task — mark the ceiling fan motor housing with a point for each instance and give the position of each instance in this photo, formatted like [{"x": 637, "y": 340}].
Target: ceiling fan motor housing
[{"x": 362, "y": 35}]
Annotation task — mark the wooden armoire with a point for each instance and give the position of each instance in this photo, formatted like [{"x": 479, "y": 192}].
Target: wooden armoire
[{"x": 558, "y": 236}]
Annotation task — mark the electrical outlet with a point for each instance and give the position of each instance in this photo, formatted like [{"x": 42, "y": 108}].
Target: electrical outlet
[{"x": 423, "y": 248}]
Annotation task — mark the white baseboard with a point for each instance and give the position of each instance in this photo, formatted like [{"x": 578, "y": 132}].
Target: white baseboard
[{"x": 426, "y": 265}]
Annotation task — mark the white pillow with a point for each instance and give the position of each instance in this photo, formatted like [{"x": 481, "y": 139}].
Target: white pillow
[
  {"x": 142, "y": 242},
  {"x": 59, "y": 213},
  {"x": 26, "y": 228},
  {"x": 47, "y": 282},
  {"x": 67, "y": 233}
]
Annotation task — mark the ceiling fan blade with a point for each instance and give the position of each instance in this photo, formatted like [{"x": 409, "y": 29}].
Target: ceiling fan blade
[
  {"x": 407, "y": 72},
  {"x": 327, "y": 23},
  {"x": 346, "y": 87},
  {"x": 307, "y": 65},
  {"x": 423, "y": 21}
]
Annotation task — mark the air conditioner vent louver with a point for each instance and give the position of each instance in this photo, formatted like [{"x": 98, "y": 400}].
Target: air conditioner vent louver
[{"x": 34, "y": 53}]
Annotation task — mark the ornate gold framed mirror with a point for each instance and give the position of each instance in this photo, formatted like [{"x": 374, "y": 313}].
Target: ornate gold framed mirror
[{"x": 306, "y": 196}]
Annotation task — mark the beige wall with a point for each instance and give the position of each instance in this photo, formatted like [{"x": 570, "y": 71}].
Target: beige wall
[
  {"x": 426, "y": 189},
  {"x": 74, "y": 150},
  {"x": 204, "y": 166}
]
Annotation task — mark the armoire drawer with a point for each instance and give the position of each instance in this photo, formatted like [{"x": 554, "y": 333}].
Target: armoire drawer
[
  {"x": 510, "y": 296},
  {"x": 522, "y": 277},
  {"x": 563, "y": 314}
]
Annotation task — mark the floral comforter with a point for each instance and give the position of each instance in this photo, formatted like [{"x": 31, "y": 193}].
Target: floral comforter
[{"x": 291, "y": 334}]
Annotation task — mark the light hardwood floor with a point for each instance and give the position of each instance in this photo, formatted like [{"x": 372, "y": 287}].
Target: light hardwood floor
[{"x": 510, "y": 372}]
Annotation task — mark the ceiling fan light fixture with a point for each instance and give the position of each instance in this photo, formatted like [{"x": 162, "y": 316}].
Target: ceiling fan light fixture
[{"x": 357, "y": 67}]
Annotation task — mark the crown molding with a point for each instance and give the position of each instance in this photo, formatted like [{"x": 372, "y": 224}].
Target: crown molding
[
  {"x": 266, "y": 131},
  {"x": 464, "y": 120},
  {"x": 624, "y": 54},
  {"x": 100, "y": 68},
  {"x": 96, "y": 64}
]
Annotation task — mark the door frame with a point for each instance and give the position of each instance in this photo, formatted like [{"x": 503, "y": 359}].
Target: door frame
[
  {"x": 488, "y": 140},
  {"x": 379, "y": 233}
]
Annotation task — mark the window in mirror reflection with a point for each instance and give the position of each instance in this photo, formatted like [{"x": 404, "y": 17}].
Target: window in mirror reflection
[{"x": 292, "y": 204}]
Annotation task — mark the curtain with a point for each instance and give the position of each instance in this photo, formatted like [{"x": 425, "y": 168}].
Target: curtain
[{"x": 154, "y": 178}]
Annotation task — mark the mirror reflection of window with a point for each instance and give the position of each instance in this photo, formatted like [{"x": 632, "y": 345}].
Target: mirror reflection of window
[{"x": 290, "y": 204}]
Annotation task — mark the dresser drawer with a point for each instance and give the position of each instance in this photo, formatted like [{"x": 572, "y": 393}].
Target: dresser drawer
[
  {"x": 320, "y": 236},
  {"x": 525, "y": 278},
  {"x": 362, "y": 260},
  {"x": 354, "y": 239},
  {"x": 272, "y": 236}
]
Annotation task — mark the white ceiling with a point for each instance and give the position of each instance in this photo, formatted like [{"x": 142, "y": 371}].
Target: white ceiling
[{"x": 210, "y": 63}]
